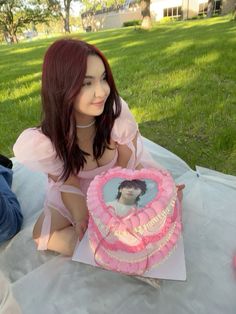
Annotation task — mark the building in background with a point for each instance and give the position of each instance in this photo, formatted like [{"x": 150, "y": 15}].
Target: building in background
[
  {"x": 187, "y": 9},
  {"x": 175, "y": 9},
  {"x": 111, "y": 17}
]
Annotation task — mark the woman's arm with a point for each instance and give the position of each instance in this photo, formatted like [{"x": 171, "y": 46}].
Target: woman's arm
[
  {"x": 76, "y": 204},
  {"x": 124, "y": 154}
]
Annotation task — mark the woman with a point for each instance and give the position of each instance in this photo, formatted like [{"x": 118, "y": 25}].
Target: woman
[{"x": 86, "y": 129}]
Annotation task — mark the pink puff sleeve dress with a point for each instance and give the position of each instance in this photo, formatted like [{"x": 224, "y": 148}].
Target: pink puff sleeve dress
[{"x": 36, "y": 151}]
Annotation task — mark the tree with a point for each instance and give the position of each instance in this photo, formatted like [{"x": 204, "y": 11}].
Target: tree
[
  {"x": 94, "y": 5},
  {"x": 64, "y": 7},
  {"x": 91, "y": 7},
  {"x": 210, "y": 8},
  {"x": 234, "y": 13},
  {"x": 145, "y": 11},
  {"x": 66, "y": 16},
  {"x": 65, "y": 13},
  {"x": 116, "y": 4},
  {"x": 15, "y": 15}
]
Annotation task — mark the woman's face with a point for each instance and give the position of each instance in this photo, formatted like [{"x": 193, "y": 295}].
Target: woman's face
[{"x": 90, "y": 102}]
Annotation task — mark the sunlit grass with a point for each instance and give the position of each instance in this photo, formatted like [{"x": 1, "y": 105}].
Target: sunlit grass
[{"x": 178, "y": 78}]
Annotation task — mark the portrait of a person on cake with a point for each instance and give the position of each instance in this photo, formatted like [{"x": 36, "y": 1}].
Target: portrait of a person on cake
[{"x": 128, "y": 196}]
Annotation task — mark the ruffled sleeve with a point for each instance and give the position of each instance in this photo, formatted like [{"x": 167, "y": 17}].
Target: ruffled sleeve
[
  {"x": 125, "y": 127},
  {"x": 124, "y": 131},
  {"x": 35, "y": 150}
]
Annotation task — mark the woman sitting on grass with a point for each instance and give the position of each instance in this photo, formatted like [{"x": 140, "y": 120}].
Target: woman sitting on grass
[{"x": 86, "y": 129}]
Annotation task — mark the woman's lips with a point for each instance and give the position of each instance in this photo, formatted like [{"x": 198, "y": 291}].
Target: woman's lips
[{"x": 98, "y": 104}]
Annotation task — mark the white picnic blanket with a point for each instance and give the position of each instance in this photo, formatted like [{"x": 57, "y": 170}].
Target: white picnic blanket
[{"x": 43, "y": 282}]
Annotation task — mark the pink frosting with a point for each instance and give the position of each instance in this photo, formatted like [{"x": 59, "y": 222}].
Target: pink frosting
[
  {"x": 103, "y": 259},
  {"x": 118, "y": 245},
  {"x": 103, "y": 239}
]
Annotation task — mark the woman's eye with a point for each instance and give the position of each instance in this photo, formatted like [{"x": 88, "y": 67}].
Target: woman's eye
[{"x": 87, "y": 83}]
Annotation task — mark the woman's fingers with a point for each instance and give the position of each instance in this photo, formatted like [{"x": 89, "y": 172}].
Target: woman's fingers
[
  {"x": 81, "y": 227},
  {"x": 180, "y": 187}
]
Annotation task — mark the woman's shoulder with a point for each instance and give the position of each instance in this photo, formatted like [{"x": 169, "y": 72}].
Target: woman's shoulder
[
  {"x": 34, "y": 132},
  {"x": 34, "y": 141},
  {"x": 125, "y": 127},
  {"x": 35, "y": 150}
]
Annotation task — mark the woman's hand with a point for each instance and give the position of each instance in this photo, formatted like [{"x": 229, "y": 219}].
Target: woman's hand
[
  {"x": 180, "y": 188},
  {"x": 81, "y": 226}
]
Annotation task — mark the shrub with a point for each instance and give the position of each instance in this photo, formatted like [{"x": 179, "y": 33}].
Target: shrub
[
  {"x": 169, "y": 19},
  {"x": 132, "y": 23}
]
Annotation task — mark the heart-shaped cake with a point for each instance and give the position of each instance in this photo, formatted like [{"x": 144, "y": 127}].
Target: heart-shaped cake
[{"x": 134, "y": 221}]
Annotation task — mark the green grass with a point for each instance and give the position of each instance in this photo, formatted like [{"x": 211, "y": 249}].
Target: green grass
[{"x": 178, "y": 78}]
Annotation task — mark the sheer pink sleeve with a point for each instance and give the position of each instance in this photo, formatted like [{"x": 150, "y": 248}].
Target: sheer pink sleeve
[
  {"x": 124, "y": 131},
  {"x": 35, "y": 150},
  {"x": 125, "y": 127}
]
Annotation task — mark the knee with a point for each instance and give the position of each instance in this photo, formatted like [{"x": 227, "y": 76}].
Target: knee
[
  {"x": 64, "y": 240},
  {"x": 70, "y": 245}
]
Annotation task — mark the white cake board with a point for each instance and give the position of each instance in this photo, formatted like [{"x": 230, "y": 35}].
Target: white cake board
[{"x": 172, "y": 268}]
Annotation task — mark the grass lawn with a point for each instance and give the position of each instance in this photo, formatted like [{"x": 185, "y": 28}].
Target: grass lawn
[{"x": 179, "y": 80}]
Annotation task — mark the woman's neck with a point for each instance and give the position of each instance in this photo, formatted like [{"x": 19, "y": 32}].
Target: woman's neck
[
  {"x": 85, "y": 126},
  {"x": 86, "y": 134},
  {"x": 84, "y": 121}
]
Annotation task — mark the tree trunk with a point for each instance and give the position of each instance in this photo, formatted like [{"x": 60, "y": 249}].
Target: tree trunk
[
  {"x": 67, "y": 22},
  {"x": 210, "y": 8},
  {"x": 66, "y": 18},
  {"x": 14, "y": 39},
  {"x": 234, "y": 12},
  {"x": 6, "y": 37},
  {"x": 145, "y": 11},
  {"x": 10, "y": 36}
]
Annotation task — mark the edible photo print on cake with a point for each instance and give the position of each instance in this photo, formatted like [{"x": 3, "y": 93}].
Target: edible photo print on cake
[{"x": 123, "y": 197}]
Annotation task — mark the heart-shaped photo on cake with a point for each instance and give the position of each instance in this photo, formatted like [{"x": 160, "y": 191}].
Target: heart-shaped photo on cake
[
  {"x": 124, "y": 196},
  {"x": 134, "y": 219}
]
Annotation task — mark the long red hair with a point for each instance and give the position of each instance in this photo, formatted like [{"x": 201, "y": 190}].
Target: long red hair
[{"x": 64, "y": 69}]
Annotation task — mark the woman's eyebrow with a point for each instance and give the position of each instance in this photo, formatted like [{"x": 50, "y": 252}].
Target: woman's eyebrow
[{"x": 92, "y": 77}]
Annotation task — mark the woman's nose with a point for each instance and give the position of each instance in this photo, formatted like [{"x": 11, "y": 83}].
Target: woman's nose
[{"x": 100, "y": 90}]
